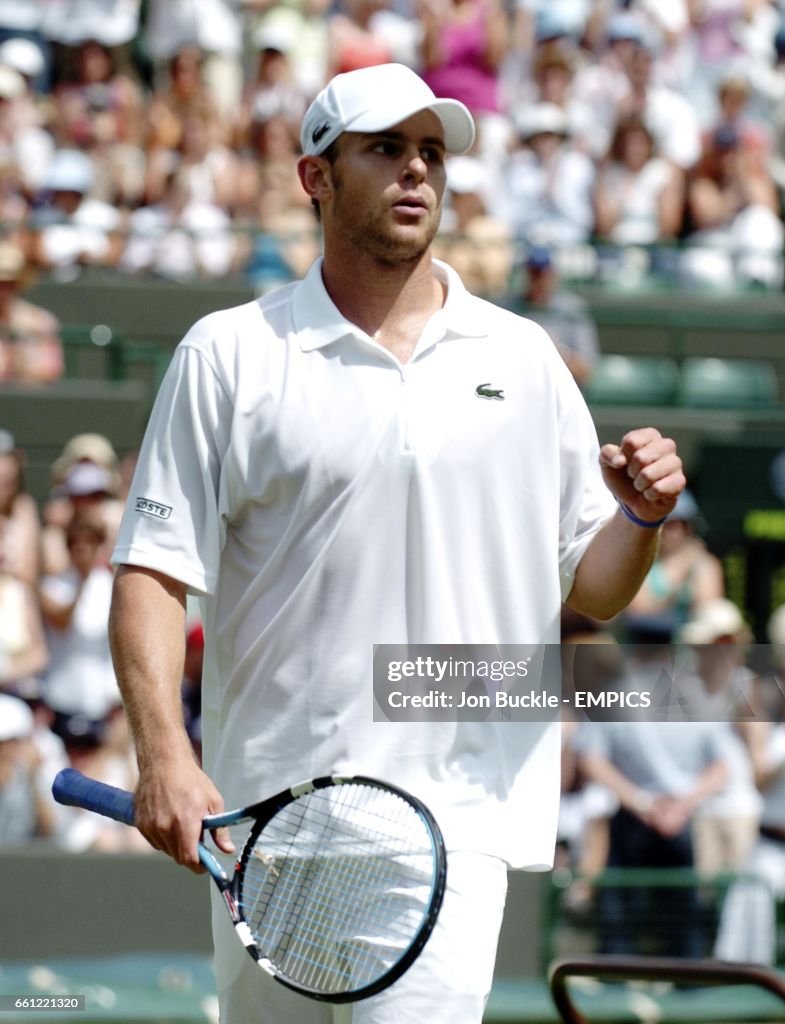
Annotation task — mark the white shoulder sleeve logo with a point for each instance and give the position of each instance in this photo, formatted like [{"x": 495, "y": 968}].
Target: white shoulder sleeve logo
[{"x": 153, "y": 508}]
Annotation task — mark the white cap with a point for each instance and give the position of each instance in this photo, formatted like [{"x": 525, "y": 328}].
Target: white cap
[
  {"x": 374, "y": 99},
  {"x": 713, "y": 620},
  {"x": 87, "y": 478},
  {"x": 70, "y": 171},
  {"x": 465, "y": 174},
  {"x": 539, "y": 119},
  {"x": 16, "y": 718},
  {"x": 23, "y": 55}
]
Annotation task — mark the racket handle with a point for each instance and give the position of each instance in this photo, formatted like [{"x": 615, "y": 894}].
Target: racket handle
[{"x": 73, "y": 789}]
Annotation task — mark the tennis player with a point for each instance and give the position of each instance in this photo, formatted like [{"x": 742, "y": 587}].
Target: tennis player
[{"x": 369, "y": 455}]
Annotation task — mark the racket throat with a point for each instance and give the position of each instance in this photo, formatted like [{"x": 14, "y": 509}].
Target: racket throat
[{"x": 241, "y": 927}]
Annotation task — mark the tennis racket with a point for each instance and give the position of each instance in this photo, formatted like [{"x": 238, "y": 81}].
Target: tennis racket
[{"x": 337, "y": 887}]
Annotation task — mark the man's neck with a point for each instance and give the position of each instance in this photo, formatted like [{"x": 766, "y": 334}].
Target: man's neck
[{"x": 391, "y": 303}]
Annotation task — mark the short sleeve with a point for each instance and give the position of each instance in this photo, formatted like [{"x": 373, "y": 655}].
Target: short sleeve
[{"x": 171, "y": 521}]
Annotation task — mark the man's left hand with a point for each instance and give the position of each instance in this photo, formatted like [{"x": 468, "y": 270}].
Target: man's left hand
[{"x": 644, "y": 472}]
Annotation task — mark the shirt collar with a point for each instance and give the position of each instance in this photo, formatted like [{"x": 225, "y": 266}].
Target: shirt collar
[{"x": 319, "y": 322}]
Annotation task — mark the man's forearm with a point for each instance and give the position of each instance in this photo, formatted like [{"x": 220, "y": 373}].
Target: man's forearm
[
  {"x": 613, "y": 567},
  {"x": 147, "y": 636}
]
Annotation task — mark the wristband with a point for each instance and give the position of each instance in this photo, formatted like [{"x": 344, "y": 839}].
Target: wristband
[{"x": 647, "y": 524}]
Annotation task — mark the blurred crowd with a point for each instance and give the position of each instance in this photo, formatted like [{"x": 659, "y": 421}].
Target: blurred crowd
[
  {"x": 59, "y": 701},
  {"x": 696, "y": 784},
  {"x": 632, "y": 137}
]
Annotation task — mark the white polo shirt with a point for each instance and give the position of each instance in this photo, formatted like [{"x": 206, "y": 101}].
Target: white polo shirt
[{"x": 322, "y": 497}]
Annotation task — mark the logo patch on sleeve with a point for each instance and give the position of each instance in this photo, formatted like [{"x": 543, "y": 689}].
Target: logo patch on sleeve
[{"x": 153, "y": 508}]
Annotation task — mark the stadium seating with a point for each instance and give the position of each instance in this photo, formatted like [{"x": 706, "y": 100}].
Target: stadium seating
[
  {"x": 715, "y": 383},
  {"x": 633, "y": 380}
]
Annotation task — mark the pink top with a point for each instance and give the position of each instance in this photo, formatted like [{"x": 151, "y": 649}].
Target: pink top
[{"x": 463, "y": 74}]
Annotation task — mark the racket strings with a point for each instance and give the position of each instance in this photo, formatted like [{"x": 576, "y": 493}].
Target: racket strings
[{"x": 337, "y": 885}]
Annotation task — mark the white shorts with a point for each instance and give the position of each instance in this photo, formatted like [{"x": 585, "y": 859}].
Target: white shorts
[{"x": 449, "y": 983}]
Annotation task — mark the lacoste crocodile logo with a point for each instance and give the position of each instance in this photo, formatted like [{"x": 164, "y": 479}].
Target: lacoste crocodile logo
[{"x": 486, "y": 391}]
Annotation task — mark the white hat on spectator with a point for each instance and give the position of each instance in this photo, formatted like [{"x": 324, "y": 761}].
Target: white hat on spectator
[
  {"x": 23, "y": 56},
  {"x": 539, "y": 119},
  {"x": 11, "y": 83},
  {"x": 84, "y": 448},
  {"x": 16, "y": 718},
  {"x": 87, "y": 478},
  {"x": 465, "y": 174},
  {"x": 376, "y": 98},
  {"x": 278, "y": 32},
  {"x": 69, "y": 171},
  {"x": 713, "y": 621}
]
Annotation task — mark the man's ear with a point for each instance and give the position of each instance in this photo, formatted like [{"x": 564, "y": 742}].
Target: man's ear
[{"x": 314, "y": 173}]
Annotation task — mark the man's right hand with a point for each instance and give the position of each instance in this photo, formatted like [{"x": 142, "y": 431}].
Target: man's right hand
[{"x": 170, "y": 802}]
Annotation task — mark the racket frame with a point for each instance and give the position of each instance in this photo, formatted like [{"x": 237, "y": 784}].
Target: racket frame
[{"x": 72, "y": 788}]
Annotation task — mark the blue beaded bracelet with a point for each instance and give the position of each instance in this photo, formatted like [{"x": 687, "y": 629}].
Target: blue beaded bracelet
[{"x": 645, "y": 523}]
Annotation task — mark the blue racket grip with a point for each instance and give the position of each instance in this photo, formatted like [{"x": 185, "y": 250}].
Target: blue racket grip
[{"x": 73, "y": 789}]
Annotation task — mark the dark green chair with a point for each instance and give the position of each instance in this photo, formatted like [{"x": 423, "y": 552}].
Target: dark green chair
[
  {"x": 715, "y": 383},
  {"x": 633, "y": 380}
]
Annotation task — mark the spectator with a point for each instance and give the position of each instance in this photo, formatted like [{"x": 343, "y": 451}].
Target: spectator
[
  {"x": 736, "y": 235},
  {"x": 638, "y": 196},
  {"x": 23, "y": 649},
  {"x": 20, "y": 526},
  {"x": 25, "y": 812},
  {"x": 14, "y": 202},
  {"x": 553, "y": 75},
  {"x": 110, "y": 23},
  {"x": 723, "y": 691},
  {"x": 207, "y": 167},
  {"x": 25, "y": 57},
  {"x": 301, "y": 27},
  {"x": 563, "y": 314},
  {"x": 272, "y": 91},
  {"x": 100, "y": 111},
  {"x": 748, "y": 926},
  {"x": 74, "y": 229},
  {"x": 685, "y": 576},
  {"x": 183, "y": 96},
  {"x": 80, "y": 680},
  {"x": 733, "y": 110},
  {"x": 31, "y": 351},
  {"x": 603, "y": 84},
  {"x": 660, "y": 773},
  {"x": 23, "y": 19},
  {"x": 545, "y": 195},
  {"x": 591, "y": 659},
  {"x": 88, "y": 489},
  {"x": 101, "y": 750},
  {"x": 213, "y": 27},
  {"x": 668, "y": 116},
  {"x": 73, "y": 489},
  {"x": 716, "y": 39},
  {"x": 362, "y": 33},
  {"x": 180, "y": 237},
  {"x": 463, "y": 48},
  {"x": 475, "y": 243},
  {"x": 282, "y": 239},
  {"x": 23, "y": 141}
]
